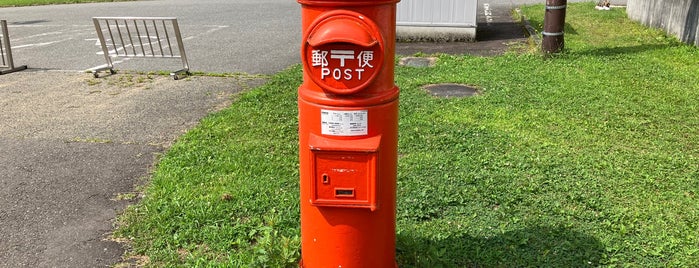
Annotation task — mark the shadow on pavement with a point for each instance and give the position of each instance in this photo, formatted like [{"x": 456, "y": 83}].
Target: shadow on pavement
[{"x": 493, "y": 38}]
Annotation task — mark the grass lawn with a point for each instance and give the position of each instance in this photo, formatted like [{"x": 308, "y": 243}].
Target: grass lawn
[
  {"x": 586, "y": 159},
  {"x": 16, "y": 3}
]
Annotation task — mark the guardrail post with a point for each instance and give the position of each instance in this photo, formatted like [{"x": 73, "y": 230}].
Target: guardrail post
[
  {"x": 109, "y": 66},
  {"x": 180, "y": 45},
  {"x": 6, "y": 52}
]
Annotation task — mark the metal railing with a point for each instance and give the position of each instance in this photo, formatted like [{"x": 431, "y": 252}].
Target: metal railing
[
  {"x": 7, "y": 65},
  {"x": 139, "y": 37}
]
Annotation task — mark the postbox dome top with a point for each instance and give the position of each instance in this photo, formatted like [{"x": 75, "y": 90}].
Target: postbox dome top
[
  {"x": 341, "y": 30},
  {"x": 346, "y": 2}
]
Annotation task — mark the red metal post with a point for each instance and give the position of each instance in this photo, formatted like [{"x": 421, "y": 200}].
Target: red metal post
[{"x": 348, "y": 132}]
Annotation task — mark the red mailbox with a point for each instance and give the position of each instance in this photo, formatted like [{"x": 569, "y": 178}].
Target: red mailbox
[{"x": 348, "y": 132}]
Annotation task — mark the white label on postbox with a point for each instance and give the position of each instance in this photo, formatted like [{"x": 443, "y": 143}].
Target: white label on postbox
[{"x": 344, "y": 123}]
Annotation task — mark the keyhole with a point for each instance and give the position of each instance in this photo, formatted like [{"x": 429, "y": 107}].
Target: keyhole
[{"x": 326, "y": 178}]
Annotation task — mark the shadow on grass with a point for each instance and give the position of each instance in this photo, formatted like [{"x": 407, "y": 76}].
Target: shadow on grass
[
  {"x": 615, "y": 51},
  {"x": 529, "y": 247}
]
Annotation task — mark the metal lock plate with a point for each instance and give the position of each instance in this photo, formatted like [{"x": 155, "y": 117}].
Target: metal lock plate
[{"x": 344, "y": 172}]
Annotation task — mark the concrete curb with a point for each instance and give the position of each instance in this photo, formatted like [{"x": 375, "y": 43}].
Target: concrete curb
[
  {"x": 533, "y": 34},
  {"x": 435, "y": 34}
]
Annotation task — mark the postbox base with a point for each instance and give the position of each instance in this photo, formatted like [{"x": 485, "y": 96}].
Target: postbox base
[{"x": 301, "y": 264}]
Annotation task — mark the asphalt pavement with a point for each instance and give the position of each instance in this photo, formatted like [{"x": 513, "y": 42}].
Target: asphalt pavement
[
  {"x": 74, "y": 147},
  {"x": 232, "y": 36},
  {"x": 73, "y": 150}
]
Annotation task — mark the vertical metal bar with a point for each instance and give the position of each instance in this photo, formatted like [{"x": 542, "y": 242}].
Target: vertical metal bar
[
  {"x": 2, "y": 54},
  {"x": 167, "y": 36},
  {"x": 139, "y": 37},
  {"x": 121, "y": 38},
  {"x": 103, "y": 44},
  {"x": 176, "y": 27},
  {"x": 128, "y": 32},
  {"x": 149, "y": 41},
  {"x": 160, "y": 45},
  {"x": 7, "y": 59},
  {"x": 3, "y": 25},
  {"x": 109, "y": 30}
]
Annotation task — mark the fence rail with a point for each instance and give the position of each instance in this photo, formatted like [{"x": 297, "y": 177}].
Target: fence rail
[
  {"x": 139, "y": 37},
  {"x": 7, "y": 65}
]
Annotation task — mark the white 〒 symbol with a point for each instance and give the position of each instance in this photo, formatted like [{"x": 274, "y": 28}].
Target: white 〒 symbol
[{"x": 342, "y": 55}]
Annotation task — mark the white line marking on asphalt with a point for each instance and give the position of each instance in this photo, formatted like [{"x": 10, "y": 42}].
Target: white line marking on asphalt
[
  {"x": 50, "y": 25},
  {"x": 146, "y": 46},
  {"x": 36, "y": 35},
  {"x": 40, "y": 44},
  {"x": 120, "y": 61},
  {"x": 97, "y": 40},
  {"x": 218, "y": 27}
]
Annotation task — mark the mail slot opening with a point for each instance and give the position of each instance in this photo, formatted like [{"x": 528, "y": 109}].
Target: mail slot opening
[{"x": 344, "y": 192}]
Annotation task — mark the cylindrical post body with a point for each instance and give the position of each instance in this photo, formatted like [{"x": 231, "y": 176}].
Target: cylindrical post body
[
  {"x": 554, "y": 23},
  {"x": 348, "y": 134}
]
